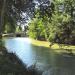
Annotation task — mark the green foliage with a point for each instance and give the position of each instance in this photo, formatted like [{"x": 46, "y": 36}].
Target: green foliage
[
  {"x": 36, "y": 28},
  {"x": 18, "y": 29},
  {"x": 59, "y": 27},
  {"x": 9, "y": 28},
  {"x": 62, "y": 22}
]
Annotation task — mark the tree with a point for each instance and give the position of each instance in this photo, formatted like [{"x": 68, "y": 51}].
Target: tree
[
  {"x": 18, "y": 29},
  {"x": 37, "y": 28},
  {"x": 2, "y": 16},
  {"x": 10, "y": 12},
  {"x": 56, "y": 24},
  {"x": 39, "y": 25},
  {"x": 62, "y": 23}
]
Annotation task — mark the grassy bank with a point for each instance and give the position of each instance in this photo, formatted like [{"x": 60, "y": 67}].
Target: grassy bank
[{"x": 54, "y": 47}]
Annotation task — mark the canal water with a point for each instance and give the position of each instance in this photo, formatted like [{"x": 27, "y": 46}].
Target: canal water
[{"x": 44, "y": 58}]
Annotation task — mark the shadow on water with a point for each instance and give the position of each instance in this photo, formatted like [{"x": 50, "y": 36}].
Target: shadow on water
[{"x": 57, "y": 64}]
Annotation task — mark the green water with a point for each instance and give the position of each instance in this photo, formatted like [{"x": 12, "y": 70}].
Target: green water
[{"x": 44, "y": 58}]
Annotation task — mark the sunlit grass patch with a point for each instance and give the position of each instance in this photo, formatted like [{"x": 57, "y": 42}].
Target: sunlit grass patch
[
  {"x": 54, "y": 47},
  {"x": 40, "y": 43}
]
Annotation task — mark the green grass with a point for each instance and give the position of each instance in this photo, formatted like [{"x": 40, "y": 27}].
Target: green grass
[{"x": 54, "y": 47}]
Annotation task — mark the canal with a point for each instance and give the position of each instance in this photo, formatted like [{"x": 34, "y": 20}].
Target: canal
[{"x": 44, "y": 58}]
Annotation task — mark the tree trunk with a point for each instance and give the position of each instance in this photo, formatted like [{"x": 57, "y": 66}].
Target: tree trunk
[
  {"x": 72, "y": 9},
  {"x": 2, "y": 17}
]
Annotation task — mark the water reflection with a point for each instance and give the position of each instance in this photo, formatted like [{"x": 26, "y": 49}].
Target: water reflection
[
  {"x": 22, "y": 48},
  {"x": 55, "y": 64}
]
